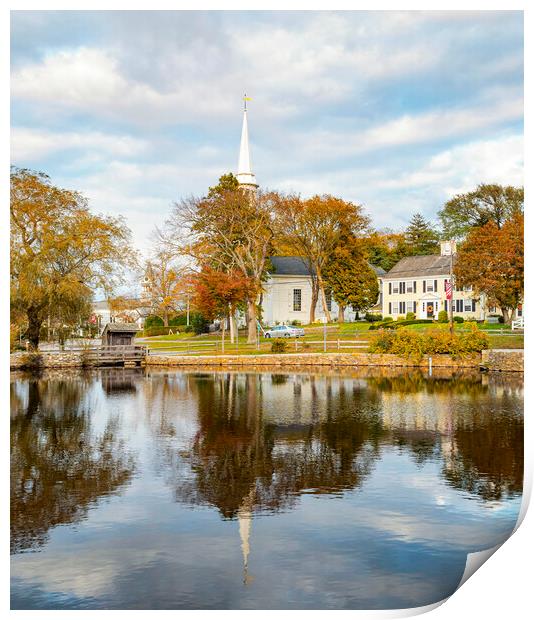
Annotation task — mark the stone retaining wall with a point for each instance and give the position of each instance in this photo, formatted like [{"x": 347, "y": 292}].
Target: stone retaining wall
[
  {"x": 510, "y": 360},
  {"x": 312, "y": 359},
  {"x": 494, "y": 359},
  {"x": 47, "y": 360}
]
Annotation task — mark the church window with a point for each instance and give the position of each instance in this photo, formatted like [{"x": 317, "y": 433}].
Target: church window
[{"x": 297, "y": 299}]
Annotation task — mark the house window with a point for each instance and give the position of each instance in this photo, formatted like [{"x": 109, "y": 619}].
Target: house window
[
  {"x": 409, "y": 288},
  {"x": 410, "y": 306},
  {"x": 395, "y": 287},
  {"x": 430, "y": 286},
  {"x": 297, "y": 299},
  {"x": 468, "y": 307},
  {"x": 395, "y": 308}
]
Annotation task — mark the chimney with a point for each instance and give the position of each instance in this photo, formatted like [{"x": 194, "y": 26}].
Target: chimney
[{"x": 448, "y": 247}]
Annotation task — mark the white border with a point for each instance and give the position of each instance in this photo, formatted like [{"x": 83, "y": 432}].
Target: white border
[{"x": 501, "y": 587}]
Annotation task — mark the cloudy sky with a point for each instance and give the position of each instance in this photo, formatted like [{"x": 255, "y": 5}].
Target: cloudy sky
[{"x": 394, "y": 110}]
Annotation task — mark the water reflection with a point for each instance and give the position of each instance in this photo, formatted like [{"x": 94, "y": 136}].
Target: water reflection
[
  {"x": 58, "y": 467},
  {"x": 344, "y": 488},
  {"x": 241, "y": 458}
]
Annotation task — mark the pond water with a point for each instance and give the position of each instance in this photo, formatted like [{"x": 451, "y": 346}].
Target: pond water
[{"x": 164, "y": 489}]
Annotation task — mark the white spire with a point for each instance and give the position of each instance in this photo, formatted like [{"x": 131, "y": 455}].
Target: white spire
[{"x": 244, "y": 172}]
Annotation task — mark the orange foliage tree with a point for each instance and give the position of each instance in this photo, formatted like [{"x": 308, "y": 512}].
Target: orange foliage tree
[
  {"x": 312, "y": 229},
  {"x": 491, "y": 260},
  {"x": 232, "y": 230},
  {"x": 217, "y": 294}
]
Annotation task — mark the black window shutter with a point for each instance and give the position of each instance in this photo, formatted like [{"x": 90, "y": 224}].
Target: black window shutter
[
  {"x": 390, "y": 306},
  {"x": 390, "y": 290},
  {"x": 446, "y": 306},
  {"x": 424, "y": 286},
  {"x": 445, "y": 285},
  {"x": 473, "y": 305},
  {"x": 414, "y": 286},
  {"x": 435, "y": 285},
  {"x": 415, "y": 305}
]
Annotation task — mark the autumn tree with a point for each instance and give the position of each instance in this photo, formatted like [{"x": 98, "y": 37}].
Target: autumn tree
[
  {"x": 420, "y": 237},
  {"x": 350, "y": 278},
  {"x": 217, "y": 294},
  {"x": 488, "y": 203},
  {"x": 126, "y": 308},
  {"x": 231, "y": 231},
  {"x": 164, "y": 283},
  {"x": 313, "y": 228},
  {"x": 60, "y": 251},
  {"x": 491, "y": 260}
]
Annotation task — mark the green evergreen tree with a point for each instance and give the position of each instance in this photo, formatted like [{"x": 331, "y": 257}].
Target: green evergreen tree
[
  {"x": 227, "y": 183},
  {"x": 352, "y": 281},
  {"x": 421, "y": 237}
]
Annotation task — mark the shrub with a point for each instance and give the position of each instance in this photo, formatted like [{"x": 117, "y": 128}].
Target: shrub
[
  {"x": 458, "y": 319},
  {"x": 279, "y": 345},
  {"x": 153, "y": 321},
  {"x": 397, "y": 324},
  {"x": 414, "y": 345},
  {"x": 199, "y": 323},
  {"x": 188, "y": 329},
  {"x": 443, "y": 316},
  {"x": 372, "y": 318},
  {"x": 296, "y": 322},
  {"x": 381, "y": 342},
  {"x": 387, "y": 319},
  {"x": 401, "y": 318},
  {"x": 441, "y": 341},
  {"x": 32, "y": 361},
  {"x": 473, "y": 340},
  {"x": 410, "y": 316},
  {"x": 156, "y": 331},
  {"x": 178, "y": 319}
]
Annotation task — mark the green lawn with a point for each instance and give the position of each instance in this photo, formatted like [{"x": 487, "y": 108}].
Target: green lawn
[{"x": 312, "y": 342}]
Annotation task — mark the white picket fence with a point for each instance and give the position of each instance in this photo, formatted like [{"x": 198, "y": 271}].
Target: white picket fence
[{"x": 519, "y": 323}]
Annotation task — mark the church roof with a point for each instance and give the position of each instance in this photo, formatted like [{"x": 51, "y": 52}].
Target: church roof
[
  {"x": 289, "y": 266},
  {"x": 420, "y": 266},
  {"x": 297, "y": 266}
]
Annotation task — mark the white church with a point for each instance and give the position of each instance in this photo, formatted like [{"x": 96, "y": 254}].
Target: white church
[{"x": 287, "y": 293}]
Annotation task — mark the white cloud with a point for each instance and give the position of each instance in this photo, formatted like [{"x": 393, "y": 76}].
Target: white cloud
[
  {"x": 461, "y": 168},
  {"x": 30, "y": 144},
  {"x": 409, "y": 129}
]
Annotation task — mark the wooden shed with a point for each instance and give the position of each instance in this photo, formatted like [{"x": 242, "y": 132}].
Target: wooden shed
[{"x": 119, "y": 334}]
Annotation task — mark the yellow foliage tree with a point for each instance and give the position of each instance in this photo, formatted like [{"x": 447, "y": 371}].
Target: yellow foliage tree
[{"x": 60, "y": 251}]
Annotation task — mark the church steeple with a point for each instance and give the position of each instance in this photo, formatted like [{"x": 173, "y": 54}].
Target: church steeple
[{"x": 245, "y": 175}]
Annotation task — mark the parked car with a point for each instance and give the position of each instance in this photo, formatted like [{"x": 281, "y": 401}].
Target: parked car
[{"x": 284, "y": 331}]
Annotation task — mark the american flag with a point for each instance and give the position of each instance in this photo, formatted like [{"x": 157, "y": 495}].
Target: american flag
[{"x": 448, "y": 289}]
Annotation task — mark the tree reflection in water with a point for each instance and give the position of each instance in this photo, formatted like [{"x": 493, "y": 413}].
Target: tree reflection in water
[
  {"x": 58, "y": 466},
  {"x": 242, "y": 456},
  {"x": 239, "y": 458}
]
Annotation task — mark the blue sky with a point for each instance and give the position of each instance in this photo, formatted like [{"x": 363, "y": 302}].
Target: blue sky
[{"x": 395, "y": 110}]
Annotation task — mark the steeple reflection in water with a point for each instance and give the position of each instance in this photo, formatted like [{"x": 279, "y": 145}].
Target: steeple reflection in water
[{"x": 167, "y": 489}]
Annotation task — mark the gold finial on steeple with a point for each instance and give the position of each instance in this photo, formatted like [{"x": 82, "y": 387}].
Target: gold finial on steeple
[{"x": 245, "y": 99}]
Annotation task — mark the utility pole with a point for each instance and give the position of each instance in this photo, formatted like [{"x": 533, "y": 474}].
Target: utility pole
[{"x": 452, "y": 245}]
